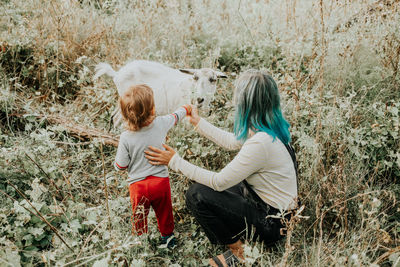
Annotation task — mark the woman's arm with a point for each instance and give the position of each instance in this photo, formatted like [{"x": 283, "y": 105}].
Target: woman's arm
[
  {"x": 250, "y": 159},
  {"x": 220, "y": 137}
]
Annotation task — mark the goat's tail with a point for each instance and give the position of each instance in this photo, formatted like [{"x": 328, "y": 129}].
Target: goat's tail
[{"x": 104, "y": 68}]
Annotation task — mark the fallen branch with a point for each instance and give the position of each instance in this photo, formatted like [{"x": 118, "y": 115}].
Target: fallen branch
[{"x": 74, "y": 129}]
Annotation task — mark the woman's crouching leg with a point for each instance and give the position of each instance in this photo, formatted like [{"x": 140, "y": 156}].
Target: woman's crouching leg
[
  {"x": 215, "y": 212},
  {"x": 228, "y": 215}
]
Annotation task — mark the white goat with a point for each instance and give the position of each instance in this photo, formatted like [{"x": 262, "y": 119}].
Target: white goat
[{"x": 172, "y": 88}]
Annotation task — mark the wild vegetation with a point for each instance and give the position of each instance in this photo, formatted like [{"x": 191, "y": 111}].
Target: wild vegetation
[{"x": 337, "y": 65}]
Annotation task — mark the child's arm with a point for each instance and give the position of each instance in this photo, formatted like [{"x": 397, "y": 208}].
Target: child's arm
[
  {"x": 122, "y": 158},
  {"x": 173, "y": 118}
]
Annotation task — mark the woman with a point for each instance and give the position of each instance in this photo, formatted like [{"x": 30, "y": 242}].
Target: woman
[{"x": 260, "y": 180}]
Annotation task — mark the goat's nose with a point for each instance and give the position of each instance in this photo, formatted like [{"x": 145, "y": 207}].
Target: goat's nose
[{"x": 200, "y": 100}]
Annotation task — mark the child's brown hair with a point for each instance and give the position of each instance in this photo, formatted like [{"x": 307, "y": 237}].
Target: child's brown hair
[{"x": 137, "y": 105}]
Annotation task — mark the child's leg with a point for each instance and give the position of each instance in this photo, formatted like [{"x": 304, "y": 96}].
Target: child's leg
[
  {"x": 140, "y": 206},
  {"x": 161, "y": 203}
]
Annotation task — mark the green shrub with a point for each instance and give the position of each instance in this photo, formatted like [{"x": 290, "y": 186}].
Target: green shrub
[
  {"x": 42, "y": 71},
  {"x": 237, "y": 58}
]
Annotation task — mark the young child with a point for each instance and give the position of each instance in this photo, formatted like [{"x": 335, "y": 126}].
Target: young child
[{"x": 148, "y": 184}]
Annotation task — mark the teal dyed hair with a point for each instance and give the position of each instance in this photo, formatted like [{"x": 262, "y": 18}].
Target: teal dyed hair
[{"x": 258, "y": 107}]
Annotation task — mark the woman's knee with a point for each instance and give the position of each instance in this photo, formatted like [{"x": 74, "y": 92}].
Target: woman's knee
[{"x": 196, "y": 194}]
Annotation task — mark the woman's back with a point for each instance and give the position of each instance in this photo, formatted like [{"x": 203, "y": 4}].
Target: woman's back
[{"x": 276, "y": 181}]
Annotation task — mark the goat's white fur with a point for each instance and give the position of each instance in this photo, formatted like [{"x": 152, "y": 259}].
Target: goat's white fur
[{"x": 172, "y": 88}]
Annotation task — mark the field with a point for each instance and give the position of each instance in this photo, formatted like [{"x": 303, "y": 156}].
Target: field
[{"x": 337, "y": 64}]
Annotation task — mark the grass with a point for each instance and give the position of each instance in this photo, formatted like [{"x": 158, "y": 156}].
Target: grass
[{"x": 336, "y": 63}]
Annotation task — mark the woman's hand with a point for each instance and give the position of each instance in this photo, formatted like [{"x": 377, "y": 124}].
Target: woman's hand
[
  {"x": 194, "y": 117},
  {"x": 159, "y": 157}
]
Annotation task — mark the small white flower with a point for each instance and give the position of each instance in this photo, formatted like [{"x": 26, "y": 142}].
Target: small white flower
[
  {"x": 354, "y": 259},
  {"x": 376, "y": 203},
  {"x": 79, "y": 60}
]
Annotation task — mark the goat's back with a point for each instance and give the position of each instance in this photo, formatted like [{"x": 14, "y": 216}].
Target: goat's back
[
  {"x": 171, "y": 87},
  {"x": 148, "y": 72}
]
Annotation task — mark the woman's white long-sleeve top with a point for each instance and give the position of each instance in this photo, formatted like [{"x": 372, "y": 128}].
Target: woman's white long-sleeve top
[{"x": 264, "y": 163}]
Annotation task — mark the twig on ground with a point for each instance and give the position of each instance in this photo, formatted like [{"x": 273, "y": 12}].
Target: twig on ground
[
  {"x": 88, "y": 239},
  {"x": 105, "y": 187},
  {"x": 387, "y": 255},
  {"x": 89, "y": 257}
]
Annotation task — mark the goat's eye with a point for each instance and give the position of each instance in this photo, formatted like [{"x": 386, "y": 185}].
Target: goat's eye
[
  {"x": 195, "y": 78},
  {"x": 212, "y": 80}
]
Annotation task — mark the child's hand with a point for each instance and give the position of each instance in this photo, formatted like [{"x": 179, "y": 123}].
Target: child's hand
[
  {"x": 188, "y": 110},
  {"x": 194, "y": 117}
]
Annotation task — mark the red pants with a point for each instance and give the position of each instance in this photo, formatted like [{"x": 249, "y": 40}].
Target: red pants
[{"x": 156, "y": 192}]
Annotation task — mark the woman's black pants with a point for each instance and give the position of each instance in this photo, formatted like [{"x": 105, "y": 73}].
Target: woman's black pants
[{"x": 229, "y": 215}]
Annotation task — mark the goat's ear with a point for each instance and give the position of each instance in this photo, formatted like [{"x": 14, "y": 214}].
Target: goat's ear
[
  {"x": 187, "y": 71},
  {"x": 220, "y": 74}
]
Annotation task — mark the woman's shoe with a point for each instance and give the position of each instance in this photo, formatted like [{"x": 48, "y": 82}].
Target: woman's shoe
[{"x": 230, "y": 259}]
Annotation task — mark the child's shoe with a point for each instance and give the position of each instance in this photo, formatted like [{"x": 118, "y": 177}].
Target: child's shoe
[{"x": 168, "y": 241}]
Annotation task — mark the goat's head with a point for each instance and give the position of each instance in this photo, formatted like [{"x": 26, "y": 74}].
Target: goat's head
[{"x": 205, "y": 84}]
